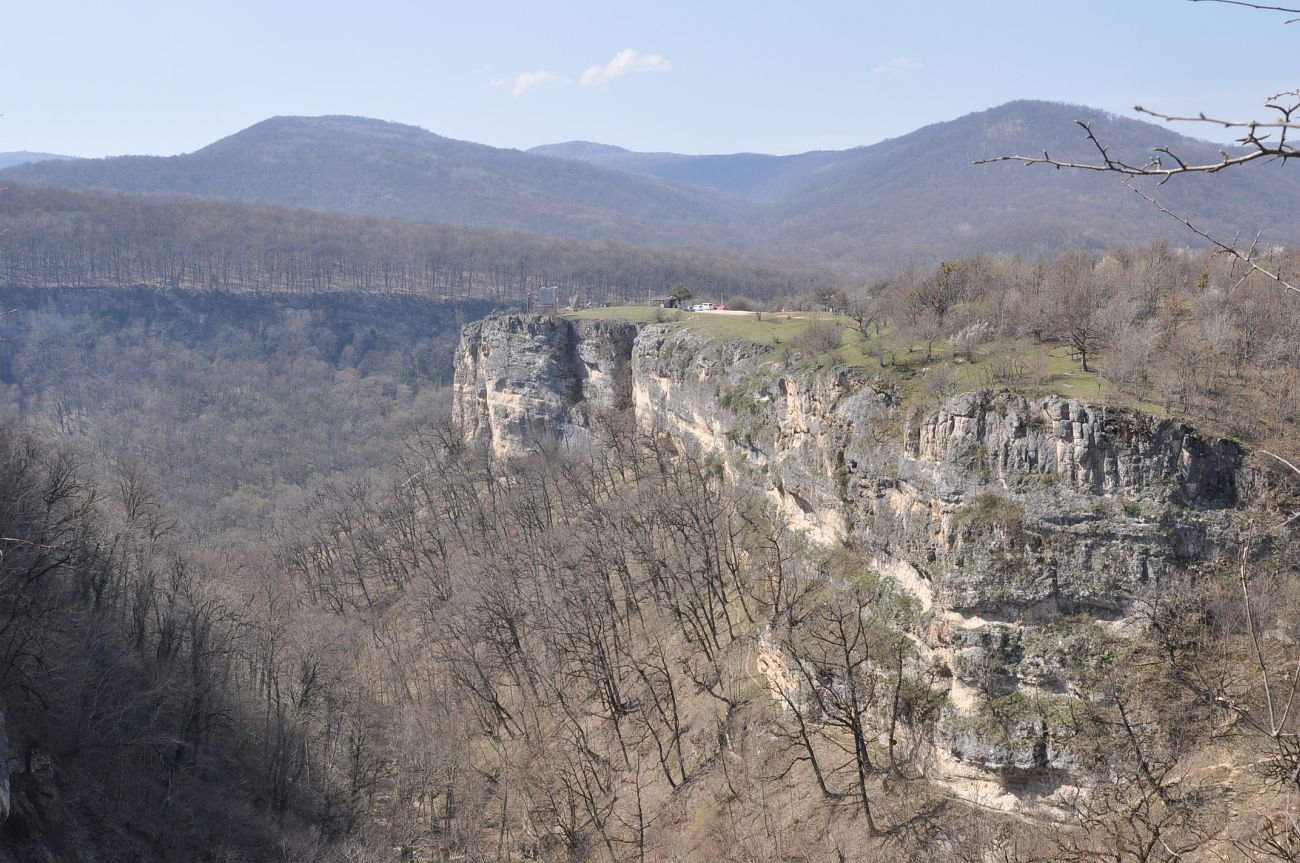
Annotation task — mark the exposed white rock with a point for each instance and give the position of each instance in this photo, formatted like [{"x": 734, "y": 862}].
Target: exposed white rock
[
  {"x": 1003, "y": 515},
  {"x": 525, "y": 383}
]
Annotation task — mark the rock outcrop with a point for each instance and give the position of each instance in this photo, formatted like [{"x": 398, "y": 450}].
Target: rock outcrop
[
  {"x": 1025, "y": 526},
  {"x": 527, "y": 382}
]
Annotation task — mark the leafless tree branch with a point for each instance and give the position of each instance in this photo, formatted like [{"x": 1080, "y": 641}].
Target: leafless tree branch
[
  {"x": 1259, "y": 6},
  {"x": 1260, "y": 140},
  {"x": 1228, "y": 249}
]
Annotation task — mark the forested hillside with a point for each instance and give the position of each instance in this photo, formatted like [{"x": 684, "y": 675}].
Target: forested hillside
[
  {"x": 227, "y": 405},
  {"x": 62, "y": 238},
  {"x": 915, "y": 198},
  {"x": 374, "y": 168},
  {"x": 1173, "y": 332}
]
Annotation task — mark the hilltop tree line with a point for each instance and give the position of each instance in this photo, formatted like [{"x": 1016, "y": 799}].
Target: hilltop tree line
[
  {"x": 62, "y": 238},
  {"x": 1174, "y": 331}
]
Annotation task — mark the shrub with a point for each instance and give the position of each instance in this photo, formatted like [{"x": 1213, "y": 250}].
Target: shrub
[
  {"x": 819, "y": 337},
  {"x": 992, "y": 509},
  {"x": 941, "y": 382}
]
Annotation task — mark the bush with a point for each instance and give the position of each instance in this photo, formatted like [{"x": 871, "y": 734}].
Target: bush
[
  {"x": 992, "y": 509},
  {"x": 941, "y": 382},
  {"x": 817, "y": 338}
]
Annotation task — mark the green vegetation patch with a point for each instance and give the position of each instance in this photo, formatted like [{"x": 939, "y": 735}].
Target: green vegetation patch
[
  {"x": 993, "y": 510},
  {"x": 923, "y": 375},
  {"x": 1057, "y": 711},
  {"x": 1001, "y": 717}
]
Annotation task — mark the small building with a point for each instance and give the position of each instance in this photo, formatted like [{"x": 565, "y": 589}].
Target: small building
[
  {"x": 546, "y": 299},
  {"x": 664, "y": 302}
]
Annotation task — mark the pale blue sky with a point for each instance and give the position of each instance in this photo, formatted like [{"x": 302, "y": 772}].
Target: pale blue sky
[{"x": 143, "y": 76}]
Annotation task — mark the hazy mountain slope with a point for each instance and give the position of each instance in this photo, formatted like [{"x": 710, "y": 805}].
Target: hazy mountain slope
[
  {"x": 376, "y": 168},
  {"x": 919, "y": 194},
  {"x": 756, "y": 176},
  {"x": 23, "y": 157},
  {"x": 912, "y": 198}
]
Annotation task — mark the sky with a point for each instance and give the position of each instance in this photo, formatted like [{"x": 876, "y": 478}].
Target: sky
[{"x": 90, "y": 78}]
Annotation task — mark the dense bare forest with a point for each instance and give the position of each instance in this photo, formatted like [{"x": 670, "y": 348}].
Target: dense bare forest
[
  {"x": 558, "y": 661},
  {"x": 620, "y": 652},
  {"x": 62, "y": 238},
  {"x": 232, "y": 403},
  {"x": 623, "y": 655}
]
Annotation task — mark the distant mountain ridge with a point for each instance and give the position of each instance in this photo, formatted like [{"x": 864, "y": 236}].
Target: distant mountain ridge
[
  {"x": 920, "y": 192},
  {"x": 912, "y": 198},
  {"x": 760, "y": 177},
  {"x": 23, "y": 157},
  {"x": 376, "y": 168},
  {"x": 918, "y": 196}
]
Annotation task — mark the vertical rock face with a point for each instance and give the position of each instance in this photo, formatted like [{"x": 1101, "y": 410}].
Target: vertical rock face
[
  {"x": 998, "y": 503},
  {"x": 1053, "y": 506},
  {"x": 1091, "y": 449},
  {"x": 526, "y": 383},
  {"x": 782, "y": 431},
  {"x": 1024, "y": 526},
  {"x": 4, "y": 770}
]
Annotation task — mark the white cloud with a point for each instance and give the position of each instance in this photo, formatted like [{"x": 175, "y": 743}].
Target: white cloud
[
  {"x": 526, "y": 81},
  {"x": 625, "y": 62},
  {"x": 897, "y": 66}
]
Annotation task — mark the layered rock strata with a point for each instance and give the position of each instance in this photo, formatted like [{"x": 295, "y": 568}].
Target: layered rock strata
[{"x": 1024, "y": 526}]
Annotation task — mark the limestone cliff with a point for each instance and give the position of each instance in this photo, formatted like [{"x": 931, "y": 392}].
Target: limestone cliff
[
  {"x": 1024, "y": 526},
  {"x": 526, "y": 382}
]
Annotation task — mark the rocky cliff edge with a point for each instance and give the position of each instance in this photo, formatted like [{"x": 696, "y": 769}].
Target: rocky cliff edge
[{"x": 1024, "y": 526}]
